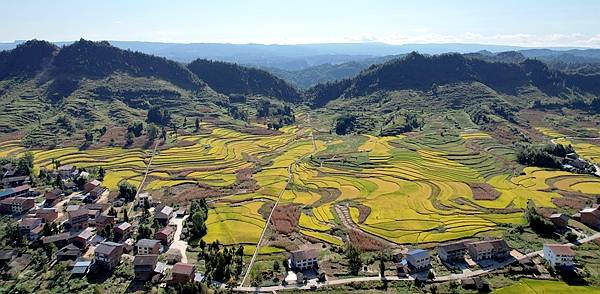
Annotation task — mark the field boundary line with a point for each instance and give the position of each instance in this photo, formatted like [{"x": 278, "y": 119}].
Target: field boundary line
[
  {"x": 139, "y": 189},
  {"x": 262, "y": 234}
]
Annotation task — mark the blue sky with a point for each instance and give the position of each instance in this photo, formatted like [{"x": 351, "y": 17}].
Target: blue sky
[{"x": 523, "y": 22}]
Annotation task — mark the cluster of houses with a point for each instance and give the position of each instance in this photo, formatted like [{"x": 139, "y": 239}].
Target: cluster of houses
[{"x": 85, "y": 225}]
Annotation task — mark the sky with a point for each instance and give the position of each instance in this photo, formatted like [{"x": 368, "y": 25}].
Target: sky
[{"x": 507, "y": 22}]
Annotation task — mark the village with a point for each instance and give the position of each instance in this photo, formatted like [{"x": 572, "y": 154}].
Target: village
[{"x": 79, "y": 224}]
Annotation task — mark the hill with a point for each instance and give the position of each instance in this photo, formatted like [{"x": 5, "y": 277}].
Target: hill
[
  {"x": 230, "y": 78},
  {"x": 423, "y": 73},
  {"x": 49, "y": 93}
]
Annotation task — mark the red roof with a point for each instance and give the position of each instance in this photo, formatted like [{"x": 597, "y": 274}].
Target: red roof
[{"x": 183, "y": 269}]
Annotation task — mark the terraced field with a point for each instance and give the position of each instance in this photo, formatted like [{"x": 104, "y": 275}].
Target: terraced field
[{"x": 417, "y": 188}]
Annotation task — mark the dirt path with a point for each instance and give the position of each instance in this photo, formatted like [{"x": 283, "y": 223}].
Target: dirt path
[
  {"x": 139, "y": 189},
  {"x": 262, "y": 234},
  {"x": 343, "y": 213}
]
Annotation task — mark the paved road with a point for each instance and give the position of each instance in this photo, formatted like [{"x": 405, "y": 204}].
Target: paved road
[
  {"x": 395, "y": 278},
  {"x": 179, "y": 244}
]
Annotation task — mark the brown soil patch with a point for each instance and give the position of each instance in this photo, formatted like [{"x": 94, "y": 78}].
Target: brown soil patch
[
  {"x": 244, "y": 180},
  {"x": 364, "y": 242},
  {"x": 363, "y": 213},
  {"x": 573, "y": 200},
  {"x": 185, "y": 193},
  {"x": 285, "y": 218},
  {"x": 483, "y": 191}
]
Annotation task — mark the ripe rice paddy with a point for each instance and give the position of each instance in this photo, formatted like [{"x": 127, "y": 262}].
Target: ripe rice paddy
[{"x": 416, "y": 188}]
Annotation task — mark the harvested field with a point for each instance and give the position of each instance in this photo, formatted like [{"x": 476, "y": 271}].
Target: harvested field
[
  {"x": 484, "y": 191},
  {"x": 285, "y": 218}
]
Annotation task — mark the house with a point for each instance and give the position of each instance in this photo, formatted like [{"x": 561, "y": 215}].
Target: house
[
  {"x": 144, "y": 199},
  {"x": 488, "y": 249},
  {"x": 144, "y": 266},
  {"x": 163, "y": 214},
  {"x": 20, "y": 191},
  {"x": 59, "y": 240},
  {"x": 108, "y": 255},
  {"x": 52, "y": 196},
  {"x": 304, "y": 258},
  {"x": 591, "y": 216},
  {"x": 47, "y": 214},
  {"x": 418, "y": 259},
  {"x": 476, "y": 283},
  {"x": 81, "y": 267},
  {"x": 64, "y": 171},
  {"x": 16, "y": 205},
  {"x": 96, "y": 193},
  {"x": 78, "y": 219},
  {"x": 165, "y": 235},
  {"x": 89, "y": 186},
  {"x": 560, "y": 220},
  {"x": 6, "y": 256},
  {"x": 183, "y": 273},
  {"x": 15, "y": 181},
  {"x": 69, "y": 252},
  {"x": 84, "y": 238},
  {"x": 123, "y": 231},
  {"x": 70, "y": 186},
  {"x": 103, "y": 220},
  {"x": 453, "y": 251},
  {"x": 402, "y": 269},
  {"x": 148, "y": 246},
  {"x": 559, "y": 255},
  {"x": 31, "y": 227}
]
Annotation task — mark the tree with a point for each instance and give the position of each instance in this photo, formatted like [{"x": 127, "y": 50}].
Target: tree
[
  {"x": 158, "y": 116},
  {"x": 354, "y": 261},
  {"x": 108, "y": 232},
  {"x": 431, "y": 274},
  {"x": 127, "y": 191},
  {"x": 256, "y": 277},
  {"x": 381, "y": 266},
  {"x": 571, "y": 237},
  {"x": 128, "y": 138},
  {"x": 276, "y": 266},
  {"x": 197, "y": 125},
  {"x": 89, "y": 137},
  {"x": 144, "y": 232},
  {"x": 125, "y": 216},
  {"x": 101, "y": 174},
  {"x": 152, "y": 131},
  {"x": 25, "y": 164}
]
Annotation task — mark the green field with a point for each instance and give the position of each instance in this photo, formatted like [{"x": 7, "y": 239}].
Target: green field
[{"x": 527, "y": 286}]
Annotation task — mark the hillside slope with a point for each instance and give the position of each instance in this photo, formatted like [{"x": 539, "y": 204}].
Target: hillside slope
[
  {"x": 424, "y": 73},
  {"x": 230, "y": 78},
  {"x": 49, "y": 93}
]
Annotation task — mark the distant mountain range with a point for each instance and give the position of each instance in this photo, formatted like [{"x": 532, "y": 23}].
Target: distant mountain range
[
  {"x": 91, "y": 84},
  {"x": 299, "y": 57}
]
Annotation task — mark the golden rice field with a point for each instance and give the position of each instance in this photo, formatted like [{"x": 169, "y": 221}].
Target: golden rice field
[{"x": 417, "y": 187}]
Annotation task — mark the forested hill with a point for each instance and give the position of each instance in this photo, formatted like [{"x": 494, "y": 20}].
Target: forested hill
[
  {"x": 419, "y": 72},
  {"x": 99, "y": 59},
  {"x": 26, "y": 59},
  {"x": 230, "y": 78}
]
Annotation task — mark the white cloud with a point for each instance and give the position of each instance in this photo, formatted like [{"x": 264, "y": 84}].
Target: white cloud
[{"x": 521, "y": 39}]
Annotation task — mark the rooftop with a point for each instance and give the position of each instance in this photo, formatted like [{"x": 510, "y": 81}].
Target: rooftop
[
  {"x": 560, "y": 249},
  {"x": 147, "y": 243},
  {"x": 183, "y": 268},
  {"x": 305, "y": 254},
  {"x": 107, "y": 248},
  {"x": 146, "y": 259}
]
